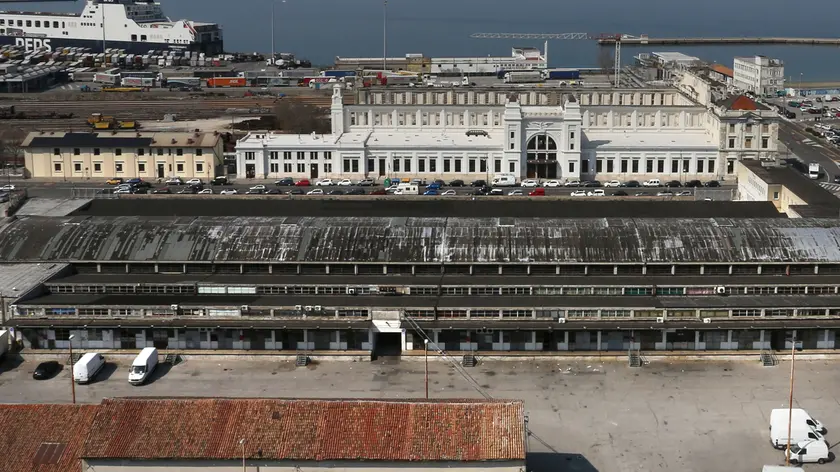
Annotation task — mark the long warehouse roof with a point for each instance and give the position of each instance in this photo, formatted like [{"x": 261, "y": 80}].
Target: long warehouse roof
[{"x": 419, "y": 240}]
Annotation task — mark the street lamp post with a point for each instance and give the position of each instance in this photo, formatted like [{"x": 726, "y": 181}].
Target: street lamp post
[
  {"x": 72, "y": 369},
  {"x": 426, "y": 360},
  {"x": 242, "y": 443},
  {"x": 801, "y": 93}
]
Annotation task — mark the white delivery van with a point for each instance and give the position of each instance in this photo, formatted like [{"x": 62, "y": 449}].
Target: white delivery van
[
  {"x": 503, "y": 180},
  {"x": 801, "y": 416},
  {"x": 799, "y": 430},
  {"x": 143, "y": 365},
  {"x": 814, "y": 171},
  {"x": 88, "y": 366},
  {"x": 810, "y": 451}
]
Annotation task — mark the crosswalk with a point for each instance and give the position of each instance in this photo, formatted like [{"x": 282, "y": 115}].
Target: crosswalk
[{"x": 831, "y": 187}]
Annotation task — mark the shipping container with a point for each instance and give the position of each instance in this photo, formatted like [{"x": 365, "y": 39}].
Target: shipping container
[
  {"x": 563, "y": 74},
  {"x": 226, "y": 82},
  {"x": 105, "y": 78},
  {"x": 183, "y": 82},
  {"x": 338, "y": 73},
  {"x": 523, "y": 77}
]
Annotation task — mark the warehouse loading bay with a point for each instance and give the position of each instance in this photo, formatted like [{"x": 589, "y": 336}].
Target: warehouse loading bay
[{"x": 585, "y": 416}]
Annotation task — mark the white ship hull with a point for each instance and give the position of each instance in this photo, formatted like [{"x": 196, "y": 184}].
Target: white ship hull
[{"x": 134, "y": 25}]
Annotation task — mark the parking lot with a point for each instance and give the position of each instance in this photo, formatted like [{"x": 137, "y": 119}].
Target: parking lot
[{"x": 585, "y": 416}]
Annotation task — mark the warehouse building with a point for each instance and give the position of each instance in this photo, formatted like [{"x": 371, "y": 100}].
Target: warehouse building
[
  {"x": 132, "y": 434},
  {"x": 382, "y": 285},
  {"x": 105, "y": 155}
]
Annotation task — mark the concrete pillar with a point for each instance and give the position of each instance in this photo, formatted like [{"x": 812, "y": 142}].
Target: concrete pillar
[
  {"x": 702, "y": 269},
  {"x": 598, "y": 341}
]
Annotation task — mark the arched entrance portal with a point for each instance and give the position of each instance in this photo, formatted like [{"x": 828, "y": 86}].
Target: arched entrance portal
[{"x": 542, "y": 157}]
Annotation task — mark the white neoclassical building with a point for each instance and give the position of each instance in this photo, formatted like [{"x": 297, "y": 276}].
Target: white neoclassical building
[{"x": 475, "y": 133}]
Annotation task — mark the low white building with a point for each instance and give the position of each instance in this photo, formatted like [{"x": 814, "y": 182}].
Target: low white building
[
  {"x": 475, "y": 133},
  {"x": 759, "y": 75}
]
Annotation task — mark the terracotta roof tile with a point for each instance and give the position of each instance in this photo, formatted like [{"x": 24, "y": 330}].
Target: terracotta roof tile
[
  {"x": 318, "y": 430},
  {"x": 722, "y": 69},
  {"x": 43, "y": 438}
]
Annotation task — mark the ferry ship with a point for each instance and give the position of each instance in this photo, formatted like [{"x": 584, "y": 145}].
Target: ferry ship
[{"x": 137, "y": 26}]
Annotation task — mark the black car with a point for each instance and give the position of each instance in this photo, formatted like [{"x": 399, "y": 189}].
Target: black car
[
  {"x": 478, "y": 183},
  {"x": 439, "y": 182},
  {"x": 693, "y": 183},
  {"x": 164, "y": 190},
  {"x": 285, "y": 182},
  {"x": 713, "y": 183},
  {"x": 254, "y": 192},
  {"x": 356, "y": 191},
  {"x": 592, "y": 183},
  {"x": 140, "y": 191},
  {"x": 335, "y": 192},
  {"x": 273, "y": 191},
  {"x": 189, "y": 190},
  {"x": 790, "y": 114},
  {"x": 673, "y": 183},
  {"x": 620, "y": 193},
  {"x": 295, "y": 191},
  {"x": 46, "y": 370},
  {"x": 456, "y": 183},
  {"x": 632, "y": 183},
  {"x": 220, "y": 180}
]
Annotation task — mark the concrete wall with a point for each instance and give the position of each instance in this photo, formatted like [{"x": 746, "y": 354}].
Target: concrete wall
[{"x": 289, "y": 466}]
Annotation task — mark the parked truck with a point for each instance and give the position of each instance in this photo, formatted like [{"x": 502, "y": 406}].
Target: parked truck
[
  {"x": 523, "y": 77},
  {"x": 562, "y": 74},
  {"x": 338, "y": 74},
  {"x": 138, "y": 82},
  {"x": 106, "y": 78}
]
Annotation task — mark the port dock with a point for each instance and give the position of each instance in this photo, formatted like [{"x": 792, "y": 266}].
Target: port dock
[{"x": 644, "y": 40}]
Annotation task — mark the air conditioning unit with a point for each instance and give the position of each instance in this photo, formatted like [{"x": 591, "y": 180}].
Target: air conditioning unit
[
  {"x": 707, "y": 320},
  {"x": 561, "y": 320},
  {"x": 245, "y": 307},
  {"x": 308, "y": 308},
  {"x": 173, "y": 306},
  {"x": 351, "y": 291},
  {"x": 318, "y": 308},
  {"x": 720, "y": 290},
  {"x": 298, "y": 307},
  {"x": 660, "y": 319}
]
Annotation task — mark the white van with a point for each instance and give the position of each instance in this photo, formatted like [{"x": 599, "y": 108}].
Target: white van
[
  {"x": 143, "y": 365},
  {"x": 800, "y": 430},
  {"x": 503, "y": 180},
  {"x": 810, "y": 451},
  {"x": 801, "y": 416},
  {"x": 88, "y": 366}
]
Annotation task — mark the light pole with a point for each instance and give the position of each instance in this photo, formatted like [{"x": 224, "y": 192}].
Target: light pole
[
  {"x": 72, "y": 369},
  {"x": 273, "y": 3},
  {"x": 790, "y": 400},
  {"x": 801, "y": 93},
  {"x": 384, "y": 35},
  {"x": 426, "y": 360},
  {"x": 242, "y": 443}
]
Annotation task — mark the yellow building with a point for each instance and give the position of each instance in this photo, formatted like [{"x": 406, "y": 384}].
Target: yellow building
[{"x": 104, "y": 155}]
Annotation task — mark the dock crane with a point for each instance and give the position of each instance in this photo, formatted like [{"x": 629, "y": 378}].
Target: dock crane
[{"x": 613, "y": 38}]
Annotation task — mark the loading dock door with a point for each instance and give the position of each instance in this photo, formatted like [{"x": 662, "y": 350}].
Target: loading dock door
[{"x": 387, "y": 344}]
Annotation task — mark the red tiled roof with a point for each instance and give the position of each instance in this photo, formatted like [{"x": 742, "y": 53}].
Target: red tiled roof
[
  {"x": 723, "y": 70},
  {"x": 317, "y": 430},
  {"x": 28, "y": 427},
  {"x": 739, "y": 102}
]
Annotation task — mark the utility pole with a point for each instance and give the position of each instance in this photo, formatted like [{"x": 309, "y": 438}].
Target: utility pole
[
  {"x": 384, "y": 35},
  {"x": 72, "y": 368},
  {"x": 790, "y": 400},
  {"x": 273, "y": 3},
  {"x": 426, "y": 360},
  {"x": 102, "y": 6}
]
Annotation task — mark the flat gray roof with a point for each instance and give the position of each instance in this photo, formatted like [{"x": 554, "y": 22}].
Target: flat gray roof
[
  {"x": 419, "y": 240},
  {"x": 17, "y": 279}
]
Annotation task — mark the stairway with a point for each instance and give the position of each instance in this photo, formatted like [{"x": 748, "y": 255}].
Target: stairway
[
  {"x": 768, "y": 359},
  {"x": 634, "y": 358},
  {"x": 469, "y": 361},
  {"x": 302, "y": 360}
]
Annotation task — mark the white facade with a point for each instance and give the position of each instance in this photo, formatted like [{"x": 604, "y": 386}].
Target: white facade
[
  {"x": 477, "y": 133},
  {"x": 759, "y": 75}
]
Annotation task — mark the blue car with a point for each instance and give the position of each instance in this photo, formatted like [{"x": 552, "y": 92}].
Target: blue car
[
  {"x": 433, "y": 186},
  {"x": 431, "y": 192}
]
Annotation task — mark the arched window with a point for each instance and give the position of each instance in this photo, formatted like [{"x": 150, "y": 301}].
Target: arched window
[{"x": 541, "y": 147}]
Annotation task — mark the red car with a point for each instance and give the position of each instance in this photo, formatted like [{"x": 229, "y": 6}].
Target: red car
[
  {"x": 303, "y": 183},
  {"x": 537, "y": 192},
  {"x": 380, "y": 191}
]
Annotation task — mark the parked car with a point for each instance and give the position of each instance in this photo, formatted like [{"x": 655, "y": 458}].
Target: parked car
[
  {"x": 295, "y": 191},
  {"x": 220, "y": 180},
  {"x": 478, "y": 183},
  {"x": 530, "y": 183},
  {"x": 713, "y": 183},
  {"x": 496, "y": 191},
  {"x": 165, "y": 190},
  {"x": 456, "y": 183},
  {"x": 356, "y": 191},
  {"x": 572, "y": 183},
  {"x": 665, "y": 194},
  {"x": 255, "y": 191},
  {"x": 599, "y": 192},
  {"x": 632, "y": 183},
  {"x": 693, "y": 183},
  {"x": 324, "y": 183},
  {"x": 273, "y": 191},
  {"x": 46, "y": 370},
  {"x": 229, "y": 191},
  {"x": 578, "y": 193},
  {"x": 431, "y": 192},
  {"x": 122, "y": 191},
  {"x": 552, "y": 183},
  {"x": 592, "y": 183},
  {"x": 207, "y": 191},
  {"x": 285, "y": 182},
  {"x": 537, "y": 192},
  {"x": 379, "y": 191},
  {"x": 187, "y": 190},
  {"x": 303, "y": 183},
  {"x": 653, "y": 183},
  {"x": 449, "y": 193},
  {"x": 613, "y": 183},
  {"x": 7, "y": 188},
  {"x": 114, "y": 181},
  {"x": 641, "y": 194},
  {"x": 259, "y": 187},
  {"x": 516, "y": 193},
  {"x": 620, "y": 193},
  {"x": 685, "y": 193},
  {"x": 434, "y": 186},
  {"x": 174, "y": 181},
  {"x": 673, "y": 184},
  {"x": 195, "y": 182},
  {"x": 315, "y": 191},
  {"x": 345, "y": 182},
  {"x": 335, "y": 191},
  {"x": 366, "y": 182}
]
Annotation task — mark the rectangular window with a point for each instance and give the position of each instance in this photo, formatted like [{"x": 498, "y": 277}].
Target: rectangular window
[
  {"x": 328, "y": 167},
  {"x": 765, "y": 128},
  {"x": 497, "y": 166},
  {"x": 472, "y": 165},
  {"x": 76, "y": 151},
  {"x": 118, "y": 152},
  {"x": 584, "y": 166},
  {"x": 624, "y": 165},
  {"x": 301, "y": 168},
  {"x": 675, "y": 166},
  {"x": 571, "y": 167},
  {"x": 421, "y": 165},
  {"x": 635, "y": 166},
  {"x": 482, "y": 165},
  {"x": 433, "y": 165},
  {"x": 371, "y": 165},
  {"x": 610, "y": 166},
  {"x": 686, "y": 166},
  {"x": 199, "y": 167},
  {"x": 572, "y": 136},
  {"x": 179, "y": 152},
  {"x": 141, "y": 167},
  {"x": 731, "y": 143},
  {"x": 179, "y": 167},
  {"x": 711, "y": 166},
  {"x": 287, "y": 156},
  {"x": 301, "y": 155},
  {"x": 95, "y": 151},
  {"x": 447, "y": 165},
  {"x": 649, "y": 166},
  {"x": 346, "y": 165},
  {"x": 287, "y": 167},
  {"x": 273, "y": 155},
  {"x": 731, "y": 127},
  {"x": 118, "y": 166},
  {"x": 250, "y": 156},
  {"x": 141, "y": 152},
  {"x": 407, "y": 164},
  {"x": 274, "y": 167},
  {"x": 77, "y": 167},
  {"x": 56, "y": 152},
  {"x": 200, "y": 152},
  {"x": 313, "y": 155},
  {"x": 57, "y": 166},
  {"x": 457, "y": 165},
  {"x": 396, "y": 165},
  {"x": 160, "y": 153},
  {"x": 660, "y": 166},
  {"x": 354, "y": 167},
  {"x": 748, "y": 128},
  {"x": 572, "y": 146},
  {"x": 327, "y": 155},
  {"x": 748, "y": 143},
  {"x": 700, "y": 166},
  {"x": 97, "y": 167},
  {"x": 764, "y": 142}
]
